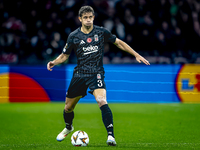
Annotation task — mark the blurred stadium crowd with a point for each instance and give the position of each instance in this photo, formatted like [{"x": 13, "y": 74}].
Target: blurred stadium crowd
[{"x": 163, "y": 31}]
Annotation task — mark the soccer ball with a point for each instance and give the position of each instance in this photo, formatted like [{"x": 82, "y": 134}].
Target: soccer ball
[{"x": 80, "y": 138}]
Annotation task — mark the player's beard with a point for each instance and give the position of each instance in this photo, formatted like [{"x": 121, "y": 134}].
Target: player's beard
[{"x": 88, "y": 26}]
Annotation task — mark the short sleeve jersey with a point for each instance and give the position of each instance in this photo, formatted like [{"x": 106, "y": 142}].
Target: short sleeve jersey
[{"x": 89, "y": 49}]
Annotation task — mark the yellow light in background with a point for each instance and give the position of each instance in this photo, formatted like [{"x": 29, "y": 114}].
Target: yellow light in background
[
  {"x": 187, "y": 84},
  {"x": 4, "y": 88}
]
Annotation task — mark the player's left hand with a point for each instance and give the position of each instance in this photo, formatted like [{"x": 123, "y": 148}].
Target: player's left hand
[{"x": 142, "y": 59}]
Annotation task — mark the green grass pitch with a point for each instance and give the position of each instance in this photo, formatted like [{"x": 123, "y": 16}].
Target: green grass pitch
[{"x": 34, "y": 126}]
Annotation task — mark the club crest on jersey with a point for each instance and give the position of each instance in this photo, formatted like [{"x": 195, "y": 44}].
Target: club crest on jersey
[
  {"x": 99, "y": 76},
  {"x": 96, "y": 38},
  {"x": 89, "y": 40}
]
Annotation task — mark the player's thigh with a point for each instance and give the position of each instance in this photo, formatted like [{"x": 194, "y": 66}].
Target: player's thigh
[
  {"x": 100, "y": 96},
  {"x": 96, "y": 82},
  {"x": 77, "y": 88},
  {"x": 70, "y": 103}
]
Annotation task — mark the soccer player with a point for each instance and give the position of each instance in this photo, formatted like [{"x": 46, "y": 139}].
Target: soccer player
[{"x": 88, "y": 44}]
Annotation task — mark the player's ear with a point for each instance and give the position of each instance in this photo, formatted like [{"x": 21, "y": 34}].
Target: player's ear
[{"x": 80, "y": 19}]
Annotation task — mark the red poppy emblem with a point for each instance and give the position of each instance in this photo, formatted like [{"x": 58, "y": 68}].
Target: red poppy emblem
[{"x": 89, "y": 40}]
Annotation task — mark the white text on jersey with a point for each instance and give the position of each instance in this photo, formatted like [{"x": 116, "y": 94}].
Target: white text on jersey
[{"x": 90, "y": 49}]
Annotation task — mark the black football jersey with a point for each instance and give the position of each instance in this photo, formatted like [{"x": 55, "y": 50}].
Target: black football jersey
[{"x": 89, "y": 49}]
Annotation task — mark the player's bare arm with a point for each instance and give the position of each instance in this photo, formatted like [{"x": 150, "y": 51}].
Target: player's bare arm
[
  {"x": 125, "y": 47},
  {"x": 60, "y": 59}
]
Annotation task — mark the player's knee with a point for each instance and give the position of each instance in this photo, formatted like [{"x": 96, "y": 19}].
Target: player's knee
[
  {"x": 68, "y": 109},
  {"x": 101, "y": 100}
]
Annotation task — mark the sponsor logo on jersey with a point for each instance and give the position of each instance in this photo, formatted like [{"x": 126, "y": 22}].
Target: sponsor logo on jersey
[
  {"x": 90, "y": 49},
  {"x": 96, "y": 38},
  {"x": 64, "y": 49},
  {"x": 89, "y": 40},
  {"x": 66, "y": 45},
  {"x": 188, "y": 83},
  {"x": 82, "y": 42}
]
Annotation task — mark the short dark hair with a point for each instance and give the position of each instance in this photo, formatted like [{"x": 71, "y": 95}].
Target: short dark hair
[{"x": 85, "y": 9}]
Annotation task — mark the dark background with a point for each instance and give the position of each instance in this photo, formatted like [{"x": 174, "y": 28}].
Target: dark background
[{"x": 163, "y": 31}]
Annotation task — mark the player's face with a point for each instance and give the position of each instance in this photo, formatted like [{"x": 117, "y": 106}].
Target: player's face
[{"x": 87, "y": 19}]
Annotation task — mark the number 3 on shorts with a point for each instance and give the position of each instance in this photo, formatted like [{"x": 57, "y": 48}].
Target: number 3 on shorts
[{"x": 100, "y": 84}]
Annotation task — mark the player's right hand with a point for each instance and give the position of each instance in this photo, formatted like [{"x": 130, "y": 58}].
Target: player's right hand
[{"x": 50, "y": 65}]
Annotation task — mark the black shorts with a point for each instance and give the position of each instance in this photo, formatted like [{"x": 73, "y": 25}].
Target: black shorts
[{"x": 79, "y": 85}]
